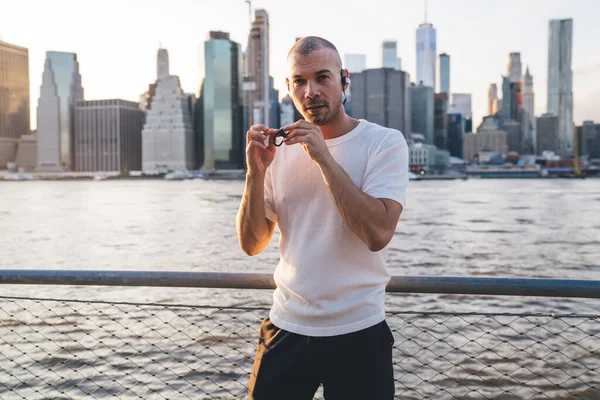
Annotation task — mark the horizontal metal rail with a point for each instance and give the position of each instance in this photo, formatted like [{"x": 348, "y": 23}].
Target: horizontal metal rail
[{"x": 542, "y": 287}]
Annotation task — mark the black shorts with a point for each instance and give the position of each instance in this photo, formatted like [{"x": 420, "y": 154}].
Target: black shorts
[{"x": 289, "y": 366}]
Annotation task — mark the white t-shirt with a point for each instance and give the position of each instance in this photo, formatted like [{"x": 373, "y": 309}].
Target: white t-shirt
[{"x": 328, "y": 281}]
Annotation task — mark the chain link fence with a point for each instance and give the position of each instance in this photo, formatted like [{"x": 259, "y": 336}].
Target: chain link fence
[{"x": 67, "y": 349}]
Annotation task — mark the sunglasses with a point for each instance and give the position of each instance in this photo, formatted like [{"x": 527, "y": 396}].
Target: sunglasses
[{"x": 279, "y": 137}]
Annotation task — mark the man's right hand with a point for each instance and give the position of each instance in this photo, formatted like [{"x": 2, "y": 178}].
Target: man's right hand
[{"x": 258, "y": 155}]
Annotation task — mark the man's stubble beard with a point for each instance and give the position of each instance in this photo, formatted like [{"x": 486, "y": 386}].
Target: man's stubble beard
[{"x": 329, "y": 116}]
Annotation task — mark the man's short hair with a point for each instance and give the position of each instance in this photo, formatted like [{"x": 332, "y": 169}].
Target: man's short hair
[{"x": 308, "y": 44}]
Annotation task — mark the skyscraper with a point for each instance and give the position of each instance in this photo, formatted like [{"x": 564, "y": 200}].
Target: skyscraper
[
  {"x": 560, "y": 80},
  {"x": 222, "y": 102},
  {"x": 444, "y": 73},
  {"x": 108, "y": 135},
  {"x": 514, "y": 139},
  {"x": 528, "y": 95},
  {"x": 60, "y": 90},
  {"x": 493, "y": 99},
  {"x": 162, "y": 64},
  {"x": 355, "y": 63},
  {"x": 440, "y": 120},
  {"x": 168, "y": 134},
  {"x": 422, "y": 111},
  {"x": 199, "y": 128},
  {"x": 258, "y": 100},
  {"x": 489, "y": 137},
  {"x": 27, "y": 153},
  {"x": 287, "y": 111},
  {"x": 426, "y": 54},
  {"x": 514, "y": 67},
  {"x": 510, "y": 99},
  {"x": 274, "y": 96},
  {"x": 548, "y": 135},
  {"x": 389, "y": 54},
  {"x": 528, "y": 106},
  {"x": 589, "y": 145},
  {"x": 14, "y": 99},
  {"x": 455, "y": 134},
  {"x": 383, "y": 96},
  {"x": 461, "y": 104}
]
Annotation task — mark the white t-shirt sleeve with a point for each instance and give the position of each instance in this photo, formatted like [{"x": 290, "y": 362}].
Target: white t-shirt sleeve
[
  {"x": 386, "y": 176},
  {"x": 269, "y": 202}
]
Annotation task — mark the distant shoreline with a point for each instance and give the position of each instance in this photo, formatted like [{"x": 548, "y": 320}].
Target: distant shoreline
[{"x": 54, "y": 178}]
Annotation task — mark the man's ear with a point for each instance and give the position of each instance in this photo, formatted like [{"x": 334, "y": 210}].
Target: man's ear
[
  {"x": 287, "y": 83},
  {"x": 346, "y": 75}
]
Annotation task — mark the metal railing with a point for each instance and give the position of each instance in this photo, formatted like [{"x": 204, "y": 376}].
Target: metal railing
[{"x": 64, "y": 348}]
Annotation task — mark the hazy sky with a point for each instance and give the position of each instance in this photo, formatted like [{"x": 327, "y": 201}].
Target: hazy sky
[{"x": 116, "y": 40}]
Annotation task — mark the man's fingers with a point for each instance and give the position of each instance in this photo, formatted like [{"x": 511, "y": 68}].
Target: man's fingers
[
  {"x": 263, "y": 128},
  {"x": 256, "y": 135},
  {"x": 271, "y": 145},
  {"x": 256, "y": 143},
  {"x": 295, "y": 140},
  {"x": 259, "y": 127},
  {"x": 297, "y": 132}
]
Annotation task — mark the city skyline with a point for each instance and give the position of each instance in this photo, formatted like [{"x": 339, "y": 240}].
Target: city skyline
[{"x": 99, "y": 49}]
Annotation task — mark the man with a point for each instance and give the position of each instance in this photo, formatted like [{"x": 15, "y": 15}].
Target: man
[{"x": 336, "y": 188}]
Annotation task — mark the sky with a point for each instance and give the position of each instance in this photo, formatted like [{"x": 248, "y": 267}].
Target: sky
[{"x": 116, "y": 40}]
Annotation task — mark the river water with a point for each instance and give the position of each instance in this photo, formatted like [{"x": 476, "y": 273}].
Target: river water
[{"x": 475, "y": 227}]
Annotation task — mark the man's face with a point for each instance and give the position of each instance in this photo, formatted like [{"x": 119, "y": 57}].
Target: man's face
[{"x": 314, "y": 83}]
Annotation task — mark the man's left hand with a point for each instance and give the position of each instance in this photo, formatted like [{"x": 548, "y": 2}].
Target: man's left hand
[{"x": 311, "y": 138}]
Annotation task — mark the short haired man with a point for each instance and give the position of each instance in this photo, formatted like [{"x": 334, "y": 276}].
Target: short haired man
[{"x": 336, "y": 189}]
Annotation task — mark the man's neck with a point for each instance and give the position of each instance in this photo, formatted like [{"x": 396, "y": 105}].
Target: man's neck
[{"x": 342, "y": 126}]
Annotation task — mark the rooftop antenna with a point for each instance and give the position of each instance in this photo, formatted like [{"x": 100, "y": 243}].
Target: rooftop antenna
[{"x": 249, "y": 12}]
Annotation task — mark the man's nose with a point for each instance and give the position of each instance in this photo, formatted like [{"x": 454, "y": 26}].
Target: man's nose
[{"x": 312, "y": 90}]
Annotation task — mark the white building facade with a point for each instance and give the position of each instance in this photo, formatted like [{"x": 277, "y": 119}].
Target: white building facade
[
  {"x": 168, "y": 135},
  {"x": 60, "y": 90}
]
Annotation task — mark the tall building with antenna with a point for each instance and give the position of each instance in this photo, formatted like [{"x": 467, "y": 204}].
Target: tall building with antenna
[
  {"x": 426, "y": 53},
  {"x": 257, "y": 88}
]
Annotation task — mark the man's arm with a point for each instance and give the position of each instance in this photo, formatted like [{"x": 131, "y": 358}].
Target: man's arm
[
  {"x": 254, "y": 229},
  {"x": 372, "y": 220}
]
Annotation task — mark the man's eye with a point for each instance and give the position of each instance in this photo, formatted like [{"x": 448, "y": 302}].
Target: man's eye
[
  {"x": 298, "y": 81},
  {"x": 323, "y": 77}
]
